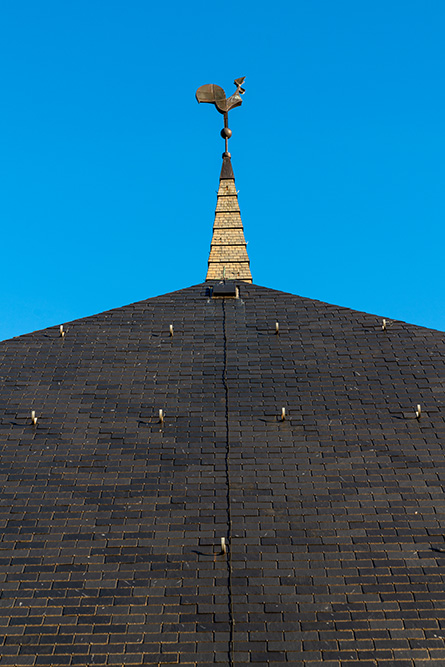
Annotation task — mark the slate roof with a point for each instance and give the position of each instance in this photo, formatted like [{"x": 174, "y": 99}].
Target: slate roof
[{"x": 111, "y": 523}]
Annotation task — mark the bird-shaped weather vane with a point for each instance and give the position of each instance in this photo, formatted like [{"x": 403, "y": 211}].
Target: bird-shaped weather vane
[{"x": 213, "y": 94}]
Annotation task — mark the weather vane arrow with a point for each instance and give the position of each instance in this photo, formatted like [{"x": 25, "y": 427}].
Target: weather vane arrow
[{"x": 213, "y": 94}]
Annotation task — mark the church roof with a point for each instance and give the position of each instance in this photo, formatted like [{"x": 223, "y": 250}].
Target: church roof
[{"x": 112, "y": 518}]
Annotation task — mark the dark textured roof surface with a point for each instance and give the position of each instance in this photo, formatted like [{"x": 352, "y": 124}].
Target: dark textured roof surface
[{"x": 111, "y": 524}]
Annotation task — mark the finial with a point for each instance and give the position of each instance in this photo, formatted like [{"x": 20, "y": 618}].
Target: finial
[{"x": 212, "y": 94}]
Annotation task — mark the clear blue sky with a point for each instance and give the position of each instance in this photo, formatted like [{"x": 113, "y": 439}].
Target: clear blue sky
[{"x": 109, "y": 167}]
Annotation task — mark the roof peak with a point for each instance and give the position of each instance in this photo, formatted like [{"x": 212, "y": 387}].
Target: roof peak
[{"x": 227, "y": 169}]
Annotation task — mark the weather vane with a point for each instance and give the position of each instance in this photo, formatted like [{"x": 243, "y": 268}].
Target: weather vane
[{"x": 213, "y": 94}]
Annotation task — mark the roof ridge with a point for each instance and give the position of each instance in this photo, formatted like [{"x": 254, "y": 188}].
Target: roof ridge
[{"x": 201, "y": 290}]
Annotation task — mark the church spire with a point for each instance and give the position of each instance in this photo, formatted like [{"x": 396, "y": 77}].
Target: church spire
[
  {"x": 228, "y": 253},
  {"x": 228, "y": 258}
]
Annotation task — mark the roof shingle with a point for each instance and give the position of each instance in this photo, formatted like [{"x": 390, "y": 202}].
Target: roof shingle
[{"x": 112, "y": 522}]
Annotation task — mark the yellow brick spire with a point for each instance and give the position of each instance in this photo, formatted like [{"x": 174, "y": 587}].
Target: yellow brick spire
[{"x": 228, "y": 259}]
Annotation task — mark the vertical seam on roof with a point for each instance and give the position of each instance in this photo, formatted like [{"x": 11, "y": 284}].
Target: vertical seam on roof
[{"x": 229, "y": 513}]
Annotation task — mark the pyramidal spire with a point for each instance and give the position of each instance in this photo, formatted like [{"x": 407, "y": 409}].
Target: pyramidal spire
[{"x": 228, "y": 259}]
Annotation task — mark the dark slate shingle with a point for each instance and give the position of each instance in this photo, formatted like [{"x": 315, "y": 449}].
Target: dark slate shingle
[{"x": 111, "y": 524}]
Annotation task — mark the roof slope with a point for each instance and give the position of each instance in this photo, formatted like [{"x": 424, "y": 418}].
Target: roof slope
[{"x": 110, "y": 549}]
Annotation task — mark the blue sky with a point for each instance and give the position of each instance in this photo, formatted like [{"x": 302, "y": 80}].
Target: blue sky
[{"x": 109, "y": 167}]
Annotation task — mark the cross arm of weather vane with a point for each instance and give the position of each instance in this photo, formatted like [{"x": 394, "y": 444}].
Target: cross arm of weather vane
[{"x": 213, "y": 94}]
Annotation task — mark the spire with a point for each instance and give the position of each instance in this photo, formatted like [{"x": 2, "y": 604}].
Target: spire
[
  {"x": 228, "y": 258},
  {"x": 228, "y": 252}
]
